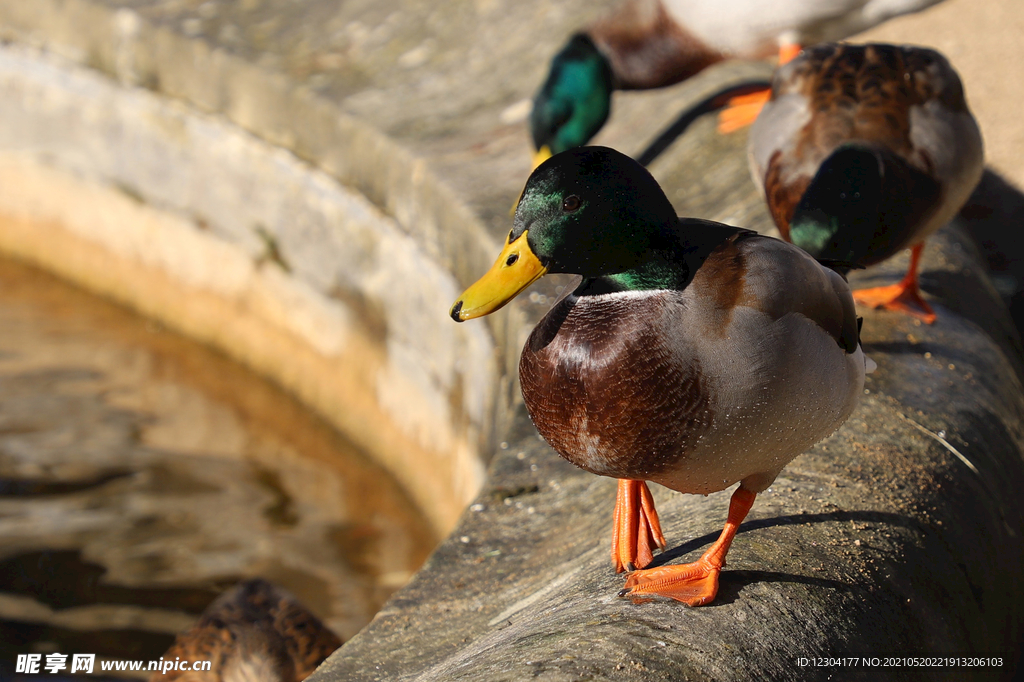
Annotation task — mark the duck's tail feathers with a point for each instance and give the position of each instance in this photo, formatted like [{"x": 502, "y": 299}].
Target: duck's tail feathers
[{"x": 869, "y": 364}]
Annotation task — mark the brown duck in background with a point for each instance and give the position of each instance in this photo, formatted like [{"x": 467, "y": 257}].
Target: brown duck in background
[
  {"x": 691, "y": 353},
  {"x": 648, "y": 44},
  {"x": 864, "y": 150},
  {"x": 255, "y": 632}
]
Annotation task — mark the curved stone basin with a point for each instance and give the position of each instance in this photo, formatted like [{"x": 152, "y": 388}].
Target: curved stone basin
[
  {"x": 238, "y": 244},
  {"x": 141, "y": 473}
]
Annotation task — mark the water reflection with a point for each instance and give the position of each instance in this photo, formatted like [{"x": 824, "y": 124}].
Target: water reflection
[{"x": 141, "y": 475}]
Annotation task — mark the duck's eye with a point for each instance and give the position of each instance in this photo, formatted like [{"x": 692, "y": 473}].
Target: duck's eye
[
  {"x": 511, "y": 260},
  {"x": 571, "y": 203}
]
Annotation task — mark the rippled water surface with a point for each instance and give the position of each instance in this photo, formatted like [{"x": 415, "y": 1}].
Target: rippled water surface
[{"x": 141, "y": 474}]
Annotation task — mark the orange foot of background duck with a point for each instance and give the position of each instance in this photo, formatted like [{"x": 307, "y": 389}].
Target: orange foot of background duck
[{"x": 904, "y": 297}]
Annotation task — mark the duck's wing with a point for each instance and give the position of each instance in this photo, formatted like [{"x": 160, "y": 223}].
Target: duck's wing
[{"x": 778, "y": 279}]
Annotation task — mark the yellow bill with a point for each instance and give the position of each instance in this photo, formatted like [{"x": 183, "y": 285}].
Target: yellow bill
[
  {"x": 540, "y": 156},
  {"x": 516, "y": 268}
]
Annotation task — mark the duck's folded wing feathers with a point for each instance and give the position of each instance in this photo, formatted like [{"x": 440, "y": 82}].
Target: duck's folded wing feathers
[{"x": 781, "y": 279}]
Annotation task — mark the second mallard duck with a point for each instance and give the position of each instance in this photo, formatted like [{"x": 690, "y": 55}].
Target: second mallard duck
[
  {"x": 864, "y": 150},
  {"x": 690, "y": 353}
]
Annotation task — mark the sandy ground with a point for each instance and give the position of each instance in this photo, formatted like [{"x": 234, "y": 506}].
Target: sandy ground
[{"x": 984, "y": 40}]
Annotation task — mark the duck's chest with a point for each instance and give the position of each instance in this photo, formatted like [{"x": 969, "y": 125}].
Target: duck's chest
[{"x": 612, "y": 387}]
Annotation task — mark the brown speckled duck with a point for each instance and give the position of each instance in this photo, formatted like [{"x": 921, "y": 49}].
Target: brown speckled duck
[
  {"x": 255, "y": 632},
  {"x": 690, "y": 353},
  {"x": 655, "y": 43},
  {"x": 865, "y": 150}
]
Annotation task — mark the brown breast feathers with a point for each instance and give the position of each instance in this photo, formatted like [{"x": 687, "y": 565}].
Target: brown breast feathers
[{"x": 606, "y": 390}]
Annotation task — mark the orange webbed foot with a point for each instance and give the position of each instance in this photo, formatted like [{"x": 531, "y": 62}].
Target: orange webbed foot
[
  {"x": 636, "y": 531},
  {"x": 898, "y": 297},
  {"x": 694, "y": 584},
  {"x": 742, "y": 111},
  {"x": 904, "y": 297}
]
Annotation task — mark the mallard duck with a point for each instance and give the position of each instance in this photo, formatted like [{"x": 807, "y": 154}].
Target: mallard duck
[
  {"x": 655, "y": 43},
  {"x": 863, "y": 151},
  {"x": 689, "y": 353},
  {"x": 255, "y": 632}
]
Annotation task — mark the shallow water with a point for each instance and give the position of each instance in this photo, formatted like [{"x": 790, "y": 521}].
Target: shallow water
[{"x": 141, "y": 474}]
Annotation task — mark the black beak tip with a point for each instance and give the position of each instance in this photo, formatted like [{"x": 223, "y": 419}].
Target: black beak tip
[{"x": 456, "y": 309}]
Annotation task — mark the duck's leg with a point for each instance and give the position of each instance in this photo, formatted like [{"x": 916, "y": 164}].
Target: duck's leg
[
  {"x": 743, "y": 110},
  {"x": 636, "y": 530},
  {"x": 695, "y": 584},
  {"x": 904, "y": 296}
]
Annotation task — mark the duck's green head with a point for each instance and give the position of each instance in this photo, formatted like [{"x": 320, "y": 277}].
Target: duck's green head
[
  {"x": 590, "y": 211},
  {"x": 574, "y": 101},
  {"x": 861, "y": 205}
]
